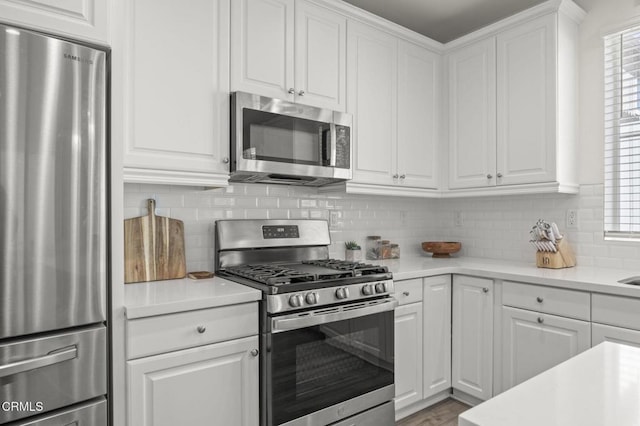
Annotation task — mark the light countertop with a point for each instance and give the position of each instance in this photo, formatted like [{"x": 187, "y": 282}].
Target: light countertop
[
  {"x": 165, "y": 297},
  {"x": 585, "y": 278},
  {"x": 600, "y": 386}
]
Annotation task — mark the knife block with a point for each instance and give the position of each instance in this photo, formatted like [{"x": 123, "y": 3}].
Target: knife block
[{"x": 563, "y": 258}]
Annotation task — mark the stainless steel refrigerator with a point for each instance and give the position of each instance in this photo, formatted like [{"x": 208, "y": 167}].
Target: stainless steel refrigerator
[{"x": 53, "y": 230}]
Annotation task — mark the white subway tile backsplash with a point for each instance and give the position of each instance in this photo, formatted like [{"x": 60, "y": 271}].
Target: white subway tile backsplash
[{"x": 493, "y": 227}]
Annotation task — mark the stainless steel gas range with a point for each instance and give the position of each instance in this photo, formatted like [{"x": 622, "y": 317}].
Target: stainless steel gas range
[{"x": 326, "y": 326}]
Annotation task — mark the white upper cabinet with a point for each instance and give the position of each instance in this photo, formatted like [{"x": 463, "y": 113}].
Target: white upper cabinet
[
  {"x": 472, "y": 114},
  {"x": 526, "y": 88},
  {"x": 289, "y": 50},
  {"x": 393, "y": 94},
  {"x": 173, "y": 109},
  {"x": 80, "y": 19},
  {"x": 512, "y": 105}
]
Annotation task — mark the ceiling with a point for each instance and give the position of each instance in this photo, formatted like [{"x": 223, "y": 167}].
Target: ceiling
[{"x": 446, "y": 20}]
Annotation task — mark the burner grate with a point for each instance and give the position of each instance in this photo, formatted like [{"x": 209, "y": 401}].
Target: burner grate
[
  {"x": 356, "y": 268},
  {"x": 270, "y": 274}
]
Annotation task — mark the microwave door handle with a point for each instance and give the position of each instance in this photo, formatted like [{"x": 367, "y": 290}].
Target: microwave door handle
[
  {"x": 295, "y": 322},
  {"x": 42, "y": 361},
  {"x": 332, "y": 145}
]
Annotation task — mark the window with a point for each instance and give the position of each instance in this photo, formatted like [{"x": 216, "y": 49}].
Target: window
[{"x": 622, "y": 135}]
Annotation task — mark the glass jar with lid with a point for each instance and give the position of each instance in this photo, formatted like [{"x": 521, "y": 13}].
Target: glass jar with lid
[
  {"x": 384, "y": 251},
  {"x": 372, "y": 247},
  {"x": 395, "y": 251}
]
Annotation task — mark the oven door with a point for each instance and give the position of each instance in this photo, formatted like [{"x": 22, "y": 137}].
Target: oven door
[{"x": 326, "y": 365}]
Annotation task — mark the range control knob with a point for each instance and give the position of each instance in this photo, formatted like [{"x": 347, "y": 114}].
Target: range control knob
[
  {"x": 295, "y": 301},
  {"x": 381, "y": 287},
  {"x": 342, "y": 293},
  {"x": 311, "y": 298},
  {"x": 367, "y": 289}
]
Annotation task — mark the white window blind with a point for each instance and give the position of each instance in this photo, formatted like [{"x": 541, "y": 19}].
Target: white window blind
[{"x": 622, "y": 135}]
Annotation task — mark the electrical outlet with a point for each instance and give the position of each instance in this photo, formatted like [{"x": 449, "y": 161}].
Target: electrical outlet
[
  {"x": 458, "y": 219},
  {"x": 572, "y": 219},
  {"x": 334, "y": 218}
]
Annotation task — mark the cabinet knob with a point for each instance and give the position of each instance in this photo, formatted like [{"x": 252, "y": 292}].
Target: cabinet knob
[
  {"x": 254, "y": 352},
  {"x": 489, "y": 176},
  {"x": 403, "y": 176},
  {"x": 292, "y": 91},
  {"x": 301, "y": 93},
  {"x": 539, "y": 299},
  {"x": 499, "y": 175},
  {"x": 540, "y": 320},
  {"x": 395, "y": 176},
  {"x": 405, "y": 293},
  {"x": 485, "y": 289},
  {"x": 201, "y": 329},
  {"x": 225, "y": 160}
]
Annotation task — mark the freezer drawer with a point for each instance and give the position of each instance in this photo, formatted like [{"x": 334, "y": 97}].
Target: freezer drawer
[
  {"x": 93, "y": 413},
  {"x": 44, "y": 374}
]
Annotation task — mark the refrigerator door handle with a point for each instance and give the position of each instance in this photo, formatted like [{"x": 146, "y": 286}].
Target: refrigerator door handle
[{"x": 53, "y": 357}]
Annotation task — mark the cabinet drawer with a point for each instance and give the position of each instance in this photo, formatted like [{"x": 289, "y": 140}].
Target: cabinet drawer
[
  {"x": 567, "y": 303},
  {"x": 166, "y": 333},
  {"x": 408, "y": 291},
  {"x": 606, "y": 333},
  {"x": 616, "y": 310}
]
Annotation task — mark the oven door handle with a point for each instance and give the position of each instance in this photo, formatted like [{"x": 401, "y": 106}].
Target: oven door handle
[
  {"x": 54, "y": 357},
  {"x": 323, "y": 316}
]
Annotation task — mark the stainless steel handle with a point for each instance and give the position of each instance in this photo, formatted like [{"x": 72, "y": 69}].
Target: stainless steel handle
[
  {"x": 540, "y": 320},
  {"x": 225, "y": 160},
  {"x": 499, "y": 175},
  {"x": 54, "y": 357},
  {"x": 539, "y": 299},
  {"x": 321, "y": 316},
  {"x": 301, "y": 93},
  {"x": 292, "y": 91},
  {"x": 201, "y": 329},
  {"x": 485, "y": 289},
  {"x": 403, "y": 176},
  {"x": 489, "y": 176},
  {"x": 405, "y": 293},
  {"x": 254, "y": 352}
]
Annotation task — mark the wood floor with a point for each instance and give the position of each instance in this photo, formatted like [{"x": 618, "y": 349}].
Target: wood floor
[{"x": 444, "y": 413}]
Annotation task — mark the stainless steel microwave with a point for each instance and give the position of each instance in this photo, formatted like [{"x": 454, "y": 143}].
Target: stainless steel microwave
[{"x": 277, "y": 141}]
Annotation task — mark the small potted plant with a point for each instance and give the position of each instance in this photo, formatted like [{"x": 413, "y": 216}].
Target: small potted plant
[{"x": 352, "y": 252}]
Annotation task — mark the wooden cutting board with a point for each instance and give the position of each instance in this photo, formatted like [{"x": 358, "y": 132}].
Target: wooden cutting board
[{"x": 153, "y": 247}]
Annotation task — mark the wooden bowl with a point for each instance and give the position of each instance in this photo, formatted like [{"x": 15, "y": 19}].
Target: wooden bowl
[{"x": 441, "y": 248}]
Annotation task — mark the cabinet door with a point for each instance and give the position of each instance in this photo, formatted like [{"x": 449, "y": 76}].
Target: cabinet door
[
  {"x": 262, "y": 46},
  {"x": 408, "y": 354},
  {"x": 437, "y": 334},
  {"x": 320, "y": 57},
  {"x": 175, "y": 112},
  {"x": 214, "y": 384},
  {"x": 371, "y": 98},
  {"x": 81, "y": 19},
  {"x": 534, "y": 342},
  {"x": 526, "y": 85},
  {"x": 418, "y": 118},
  {"x": 606, "y": 333},
  {"x": 472, "y": 336},
  {"x": 472, "y": 115}
]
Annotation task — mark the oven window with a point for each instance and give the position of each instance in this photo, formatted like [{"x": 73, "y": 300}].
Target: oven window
[
  {"x": 316, "y": 367},
  {"x": 282, "y": 138}
]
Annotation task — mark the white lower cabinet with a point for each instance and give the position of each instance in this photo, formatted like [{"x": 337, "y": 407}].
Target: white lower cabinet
[
  {"x": 606, "y": 333},
  {"x": 472, "y": 336},
  {"x": 534, "y": 342},
  {"x": 437, "y": 334},
  {"x": 213, "y": 384},
  {"x": 615, "y": 319},
  {"x": 408, "y": 354}
]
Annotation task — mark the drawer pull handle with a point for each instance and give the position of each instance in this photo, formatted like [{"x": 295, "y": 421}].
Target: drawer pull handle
[
  {"x": 540, "y": 320},
  {"x": 201, "y": 329},
  {"x": 539, "y": 299},
  {"x": 485, "y": 289},
  {"x": 254, "y": 352},
  {"x": 405, "y": 293}
]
